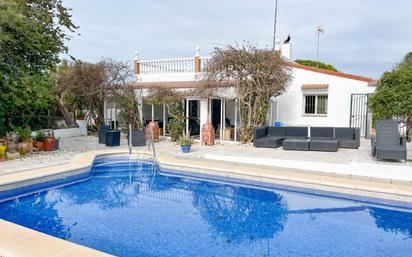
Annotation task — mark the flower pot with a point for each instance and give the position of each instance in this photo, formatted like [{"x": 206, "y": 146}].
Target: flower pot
[
  {"x": 49, "y": 144},
  {"x": 23, "y": 148},
  {"x": 3, "y": 149},
  {"x": 185, "y": 148},
  {"x": 29, "y": 146},
  {"x": 138, "y": 137},
  {"x": 39, "y": 145},
  {"x": 12, "y": 147}
]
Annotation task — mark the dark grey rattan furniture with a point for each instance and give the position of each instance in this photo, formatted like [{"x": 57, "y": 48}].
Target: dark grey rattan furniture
[
  {"x": 102, "y": 134},
  {"x": 348, "y": 137},
  {"x": 269, "y": 137},
  {"x": 388, "y": 145},
  {"x": 272, "y": 137},
  {"x": 299, "y": 144},
  {"x": 323, "y": 145},
  {"x": 321, "y": 133},
  {"x": 296, "y": 132},
  {"x": 112, "y": 138}
]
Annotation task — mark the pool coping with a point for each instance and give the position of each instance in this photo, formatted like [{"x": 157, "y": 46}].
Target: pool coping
[{"x": 81, "y": 163}]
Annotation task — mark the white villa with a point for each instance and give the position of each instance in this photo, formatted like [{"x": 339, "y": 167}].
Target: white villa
[{"x": 315, "y": 97}]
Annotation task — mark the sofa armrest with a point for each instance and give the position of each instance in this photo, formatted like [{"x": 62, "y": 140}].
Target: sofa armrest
[
  {"x": 260, "y": 132},
  {"x": 373, "y": 145},
  {"x": 403, "y": 141}
]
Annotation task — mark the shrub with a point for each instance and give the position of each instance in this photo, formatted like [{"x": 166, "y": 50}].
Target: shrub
[
  {"x": 24, "y": 134},
  {"x": 185, "y": 141},
  {"x": 40, "y": 136}
]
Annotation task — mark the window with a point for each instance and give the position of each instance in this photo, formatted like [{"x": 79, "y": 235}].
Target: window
[{"x": 316, "y": 104}]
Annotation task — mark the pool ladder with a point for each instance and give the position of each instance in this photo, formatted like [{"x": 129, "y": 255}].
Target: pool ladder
[{"x": 150, "y": 145}]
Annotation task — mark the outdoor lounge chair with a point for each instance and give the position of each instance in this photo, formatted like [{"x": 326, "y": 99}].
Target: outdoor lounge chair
[
  {"x": 348, "y": 137},
  {"x": 387, "y": 144}
]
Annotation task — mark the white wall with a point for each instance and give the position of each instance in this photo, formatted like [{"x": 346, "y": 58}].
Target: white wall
[
  {"x": 290, "y": 104},
  {"x": 72, "y": 132}
]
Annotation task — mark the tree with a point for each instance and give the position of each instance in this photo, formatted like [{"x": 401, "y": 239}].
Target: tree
[
  {"x": 258, "y": 75},
  {"x": 32, "y": 35},
  {"x": 393, "y": 97},
  {"x": 84, "y": 86},
  {"x": 316, "y": 64}
]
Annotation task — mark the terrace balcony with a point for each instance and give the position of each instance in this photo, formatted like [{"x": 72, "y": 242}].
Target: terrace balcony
[{"x": 170, "y": 70}]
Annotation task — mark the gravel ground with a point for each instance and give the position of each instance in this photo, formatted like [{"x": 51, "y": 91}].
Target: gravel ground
[{"x": 68, "y": 148}]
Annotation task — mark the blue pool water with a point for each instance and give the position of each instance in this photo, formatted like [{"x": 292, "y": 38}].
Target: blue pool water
[{"x": 127, "y": 210}]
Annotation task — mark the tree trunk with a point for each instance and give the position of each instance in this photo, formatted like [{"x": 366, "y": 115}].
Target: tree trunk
[{"x": 66, "y": 115}]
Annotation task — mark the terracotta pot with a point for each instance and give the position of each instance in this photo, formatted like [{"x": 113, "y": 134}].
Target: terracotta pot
[
  {"x": 29, "y": 145},
  {"x": 49, "y": 144},
  {"x": 39, "y": 145},
  {"x": 23, "y": 148}
]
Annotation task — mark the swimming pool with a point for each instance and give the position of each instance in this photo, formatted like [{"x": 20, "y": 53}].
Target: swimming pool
[{"x": 126, "y": 209}]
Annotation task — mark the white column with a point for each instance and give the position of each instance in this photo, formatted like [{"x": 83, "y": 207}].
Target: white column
[
  {"x": 164, "y": 119},
  {"x": 152, "y": 112},
  {"x": 236, "y": 110},
  {"x": 105, "y": 111}
]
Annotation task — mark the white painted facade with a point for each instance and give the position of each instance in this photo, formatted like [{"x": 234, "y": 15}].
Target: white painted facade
[{"x": 290, "y": 105}]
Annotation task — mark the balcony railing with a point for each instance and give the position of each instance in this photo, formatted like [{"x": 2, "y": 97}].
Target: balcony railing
[{"x": 170, "y": 66}]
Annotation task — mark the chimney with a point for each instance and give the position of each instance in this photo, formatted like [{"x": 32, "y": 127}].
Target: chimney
[{"x": 287, "y": 50}]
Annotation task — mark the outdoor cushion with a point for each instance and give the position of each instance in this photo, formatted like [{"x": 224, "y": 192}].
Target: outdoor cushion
[
  {"x": 276, "y": 131},
  {"x": 321, "y": 132},
  {"x": 296, "y": 132},
  {"x": 296, "y": 144},
  {"x": 345, "y": 133},
  {"x": 260, "y": 132},
  {"x": 268, "y": 142},
  {"x": 324, "y": 145},
  {"x": 348, "y": 137}
]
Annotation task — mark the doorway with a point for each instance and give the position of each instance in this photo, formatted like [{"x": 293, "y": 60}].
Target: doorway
[
  {"x": 216, "y": 116},
  {"x": 192, "y": 108}
]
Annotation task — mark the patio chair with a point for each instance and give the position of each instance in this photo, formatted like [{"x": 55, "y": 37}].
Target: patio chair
[
  {"x": 388, "y": 144},
  {"x": 348, "y": 137}
]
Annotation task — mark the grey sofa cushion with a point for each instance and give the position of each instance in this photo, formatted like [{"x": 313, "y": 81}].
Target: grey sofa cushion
[
  {"x": 296, "y": 132},
  {"x": 321, "y": 132},
  {"x": 345, "y": 133},
  {"x": 276, "y": 131},
  {"x": 268, "y": 142},
  {"x": 324, "y": 145},
  {"x": 296, "y": 144}
]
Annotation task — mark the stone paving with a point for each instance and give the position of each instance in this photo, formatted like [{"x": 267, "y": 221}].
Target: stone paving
[{"x": 72, "y": 146}]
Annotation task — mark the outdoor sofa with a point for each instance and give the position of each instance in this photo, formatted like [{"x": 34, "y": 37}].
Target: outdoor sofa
[
  {"x": 388, "y": 144},
  {"x": 273, "y": 137},
  {"x": 296, "y": 138}
]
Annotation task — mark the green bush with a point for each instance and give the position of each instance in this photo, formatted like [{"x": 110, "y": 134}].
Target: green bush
[
  {"x": 316, "y": 64},
  {"x": 40, "y": 136},
  {"x": 24, "y": 134}
]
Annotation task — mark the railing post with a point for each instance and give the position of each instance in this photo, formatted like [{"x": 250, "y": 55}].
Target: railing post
[
  {"x": 130, "y": 138},
  {"x": 197, "y": 60},
  {"x": 136, "y": 64}
]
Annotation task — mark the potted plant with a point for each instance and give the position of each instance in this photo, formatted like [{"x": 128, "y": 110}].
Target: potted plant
[
  {"x": 12, "y": 140},
  {"x": 25, "y": 144},
  {"x": 40, "y": 137},
  {"x": 185, "y": 143}
]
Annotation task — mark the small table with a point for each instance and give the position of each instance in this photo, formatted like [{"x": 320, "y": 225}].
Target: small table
[
  {"x": 299, "y": 144},
  {"x": 112, "y": 138}
]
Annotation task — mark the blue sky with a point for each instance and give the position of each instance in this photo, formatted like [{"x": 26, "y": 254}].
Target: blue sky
[{"x": 363, "y": 37}]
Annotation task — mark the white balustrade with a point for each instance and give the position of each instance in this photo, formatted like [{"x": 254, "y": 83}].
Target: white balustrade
[{"x": 167, "y": 66}]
